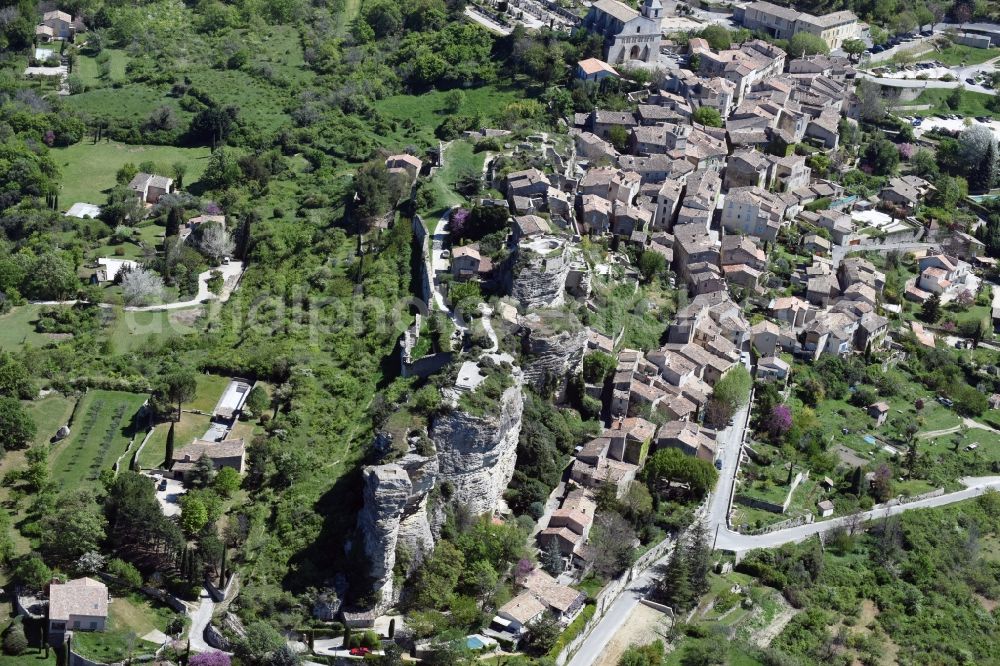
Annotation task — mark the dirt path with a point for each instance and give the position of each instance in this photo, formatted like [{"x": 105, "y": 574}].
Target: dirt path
[
  {"x": 763, "y": 637},
  {"x": 644, "y": 625},
  {"x": 969, "y": 423}
]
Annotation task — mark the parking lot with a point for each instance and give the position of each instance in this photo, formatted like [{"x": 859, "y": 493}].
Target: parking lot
[
  {"x": 954, "y": 123},
  {"x": 169, "y": 496}
]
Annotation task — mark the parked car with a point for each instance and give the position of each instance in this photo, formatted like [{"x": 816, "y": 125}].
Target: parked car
[
  {"x": 163, "y": 485},
  {"x": 947, "y": 402},
  {"x": 718, "y": 463},
  {"x": 971, "y": 82},
  {"x": 878, "y": 49}
]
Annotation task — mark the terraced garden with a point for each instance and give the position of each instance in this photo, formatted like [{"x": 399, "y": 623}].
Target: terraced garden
[{"x": 102, "y": 425}]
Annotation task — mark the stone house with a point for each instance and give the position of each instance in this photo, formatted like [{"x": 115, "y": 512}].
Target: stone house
[
  {"x": 879, "y": 411},
  {"x": 753, "y": 211},
  {"x": 467, "y": 263},
  {"x": 150, "y": 187},
  {"x": 227, "y": 453},
  {"x": 404, "y": 164},
  {"x": 690, "y": 438},
  {"x": 772, "y": 368},
  {"x": 58, "y": 25}
]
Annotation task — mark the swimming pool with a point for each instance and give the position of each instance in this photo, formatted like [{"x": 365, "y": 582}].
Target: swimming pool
[
  {"x": 474, "y": 643},
  {"x": 869, "y": 439}
]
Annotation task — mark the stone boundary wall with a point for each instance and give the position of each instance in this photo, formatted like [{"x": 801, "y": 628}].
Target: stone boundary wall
[{"x": 609, "y": 595}]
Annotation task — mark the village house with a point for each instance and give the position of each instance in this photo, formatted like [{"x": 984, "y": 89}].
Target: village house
[
  {"x": 520, "y": 613},
  {"x": 227, "y": 453},
  {"x": 784, "y": 22},
  {"x": 753, "y": 211},
  {"x": 150, "y": 187},
  {"x": 77, "y": 605},
  {"x": 879, "y": 411},
  {"x": 404, "y": 165},
  {"x": 742, "y": 250},
  {"x": 753, "y": 61},
  {"x": 747, "y": 168},
  {"x": 602, "y": 122},
  {"x": 594, "y": 70},
  {"x": 58, "y": 25},
  {"x": 689, "y": 438},
  {"x": 467, "y": 263},
  {"x": 772, "y": 368}
]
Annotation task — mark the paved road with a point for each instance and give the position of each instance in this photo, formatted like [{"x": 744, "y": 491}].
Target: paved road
[
  {"x": 730, "y": 443},
  {"x": 732, "y": 541},
  {"x": 917, "y": 83},
  {"x": 230, "y": 274},
  {"x": 840, "y": 251},
  {"x": 622, "y": 607},
  {"x": 199, "y": 621}
]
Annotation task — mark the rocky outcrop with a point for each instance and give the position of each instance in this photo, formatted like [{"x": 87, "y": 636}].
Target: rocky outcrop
[
  {"x": 554, "y": 341},
  {"x": 476, "y": 453},
  {"x": 539, "y": 271},
  {"x": 394, "y": 517},
  {"x": 215, "y": 638},
  {"x": 386, "y": 488}
]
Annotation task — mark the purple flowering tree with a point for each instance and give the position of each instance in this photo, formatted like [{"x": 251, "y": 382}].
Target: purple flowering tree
[
  {"x": 907, "y": 150},
  {"x": 210, "y": 659},
  {"x": 779, "y": 421},
  {"x": 457, "y": 224}
]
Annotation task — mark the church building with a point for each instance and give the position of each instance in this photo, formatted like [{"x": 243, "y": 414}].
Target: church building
[{"x": 628, "y": 34}]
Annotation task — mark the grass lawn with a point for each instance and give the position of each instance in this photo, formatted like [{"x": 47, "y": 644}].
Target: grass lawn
[
  {"x": 101, "y": 430},
  {"x": 210, "y": 389},
  {"x": 88, "y": 170},
  {"x": 259, "y": 102},
  {"x": 130, "y": 102},
  {"x": 49, "y": 413},
  {"x": 958, "y": 54},
  {"x": 190, "y": 426},
  {"x": 246, "y": 430},
  {"x": 129, "y": 619},
  {"x": 459, "y": 160},
  {"x": 88, "y": 69},
  {"x": 17, "y": 328},
  {"x": 426, "y": 111},
  {"x": 973, "y": 103},
  {"x": 133, "y": 329}
]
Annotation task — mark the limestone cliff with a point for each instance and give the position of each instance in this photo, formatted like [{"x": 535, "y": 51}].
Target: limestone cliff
[
  {"x": 476, "y": 453},
  {"x": 394, "y": 517},
  {"x": 554, "y": 342},
  {"x": 386, "y": 488},
  {"x": 539, "y": 272}
]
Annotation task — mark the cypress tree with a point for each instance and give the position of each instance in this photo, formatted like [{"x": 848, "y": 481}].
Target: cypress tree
[
  {"x": 347, "y": 637},
  {"x": 170, "y": 446},
  {"x": 392, "y": 627},
  {"x": 222, "y": 567}
]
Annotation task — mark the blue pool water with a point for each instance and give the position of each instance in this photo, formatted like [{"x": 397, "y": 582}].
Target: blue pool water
[
  {"x": 869, "y": 439},
  {"x": 474, "y": 643}
]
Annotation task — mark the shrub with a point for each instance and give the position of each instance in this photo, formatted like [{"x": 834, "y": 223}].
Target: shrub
[
  {"x": 128, "y": 573},
  {"x": 14, "y": 640}
]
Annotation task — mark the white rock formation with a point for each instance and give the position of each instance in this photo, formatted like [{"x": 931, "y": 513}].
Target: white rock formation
[
  {"x": 476, "y": 454},
  {"x": 394, "y": 516}
]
